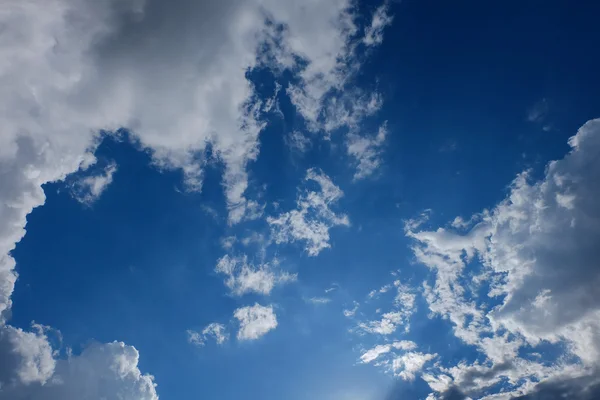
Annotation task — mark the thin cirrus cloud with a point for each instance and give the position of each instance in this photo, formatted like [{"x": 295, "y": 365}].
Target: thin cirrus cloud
[{"x": 174, "y": 75}]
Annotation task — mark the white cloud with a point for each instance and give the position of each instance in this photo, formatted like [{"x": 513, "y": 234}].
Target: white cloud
[
  {"x": 385, "y": 326},
  {"x": 403, "y": 308},
  {"x": 174, "y": 74},
  {"x": 88, "y": 189},
  {"x": 381, "y": 19},
  {"x": 318, "y": 300},
  {"x": 331, "y": 289},
  {"x": 214, "y": 330},
  {"x": 348, "y": 313},
  {"x": 323, "y": 96},
  {"x": 244, "y": 277},
  {"x": 101, "y": 371},
  {"x": 409, "y": 364},
  {"x": 298, "y": 141},
  {"x": 27, "y": 357},
  {"x": 366, "y": 151},
  {"x": 375, "y": 352},
  {"x": 537, "y": 252},
  {"x": 311, "y": 220},
  {"x": 255, "y": 321}
]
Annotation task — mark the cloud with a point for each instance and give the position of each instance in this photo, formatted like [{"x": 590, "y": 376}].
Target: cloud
[
  {"x": 375, "y": 352},
  {"x": 299, "y": 141},
  {"x": 244, "y": 277},
  {"x": 381, "y": 19},
  {"x": 348, "y": 313},
  {"x": 536, "y": 252},
  {"x": 311, "y": 220},
  {"x": 403, "y": 308},
  {"x": 101, "y": 371},
  {"x": 409, "y": 364},
  {"x": 366, "y": 151},
  {"x": 538, "y": 112},
  {"x": 385, "y": 326},
  {"x": 255, "y": 321},
  {"x": 576, "y": 388},
  {"x": 214, "y": 330},
  {"x": 88, "y": 189},
  {"x": 318, "y": 300},
  {"x": 174, "y": 75},
  {"x": 27, "y": 357},
  {"x": 323, "y": 95}
]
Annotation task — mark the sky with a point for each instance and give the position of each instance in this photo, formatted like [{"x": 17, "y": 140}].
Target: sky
[{"x": 336, "y": 200}]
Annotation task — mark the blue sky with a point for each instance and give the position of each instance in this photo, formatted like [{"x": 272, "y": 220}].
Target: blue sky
[{"x": 267, "y": 200}]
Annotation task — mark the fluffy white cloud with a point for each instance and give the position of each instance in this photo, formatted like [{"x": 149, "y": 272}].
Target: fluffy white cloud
[
  {"x": 27, "y": 357},
  {"x": 172, "y": 73},
  {"x": 409, "y": 364},
  {"x": 366, "y": 151},
  {"x": 214, "y": 330},
  {"x": 311, "y": 220},
  {"x": 537, "y": 252},
  {"x": 101, "y": 371},
  {"x": 322, "y": 95},
  {"x": 255, "y": 321},
  {"x": 244, "y": 277},
  {"x": 88, "y": 189}
]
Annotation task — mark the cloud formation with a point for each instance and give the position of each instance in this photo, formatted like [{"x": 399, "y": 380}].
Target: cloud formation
[
  {"x": 311, "y": 220},
  {"x": 537, "y": 253},
  {"x": 255, "y": 321},
  {"x": 101, "y": 371},
  {"x": 366, "y": 151},
  {"x": 244, "y": 277},
  {"x": 214, "y": 330},
  {"x": 174, "y": 75},
  {"x": 88, "y": 189}
]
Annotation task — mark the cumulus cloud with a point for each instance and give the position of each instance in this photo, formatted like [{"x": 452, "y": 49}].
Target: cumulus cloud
[
  {"x": 88, "y": 189},
  {"x": 244, "y": 277},
  {"x": 173, "y": 74},
  {"x": 214, "y": 330},
  {"x": 409, "y": 364},
  {"x": 537, "y": 253},
  {"x": 101, "y": 371},
  {"x": 366, "y": 151},
  {"x": 27, "y": 357},
  {"x": 311, "y": 220},
  {"x": 255, "y": 321}
]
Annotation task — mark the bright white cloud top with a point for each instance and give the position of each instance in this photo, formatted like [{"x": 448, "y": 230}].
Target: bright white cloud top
[{"x": 174, "y": 79}]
